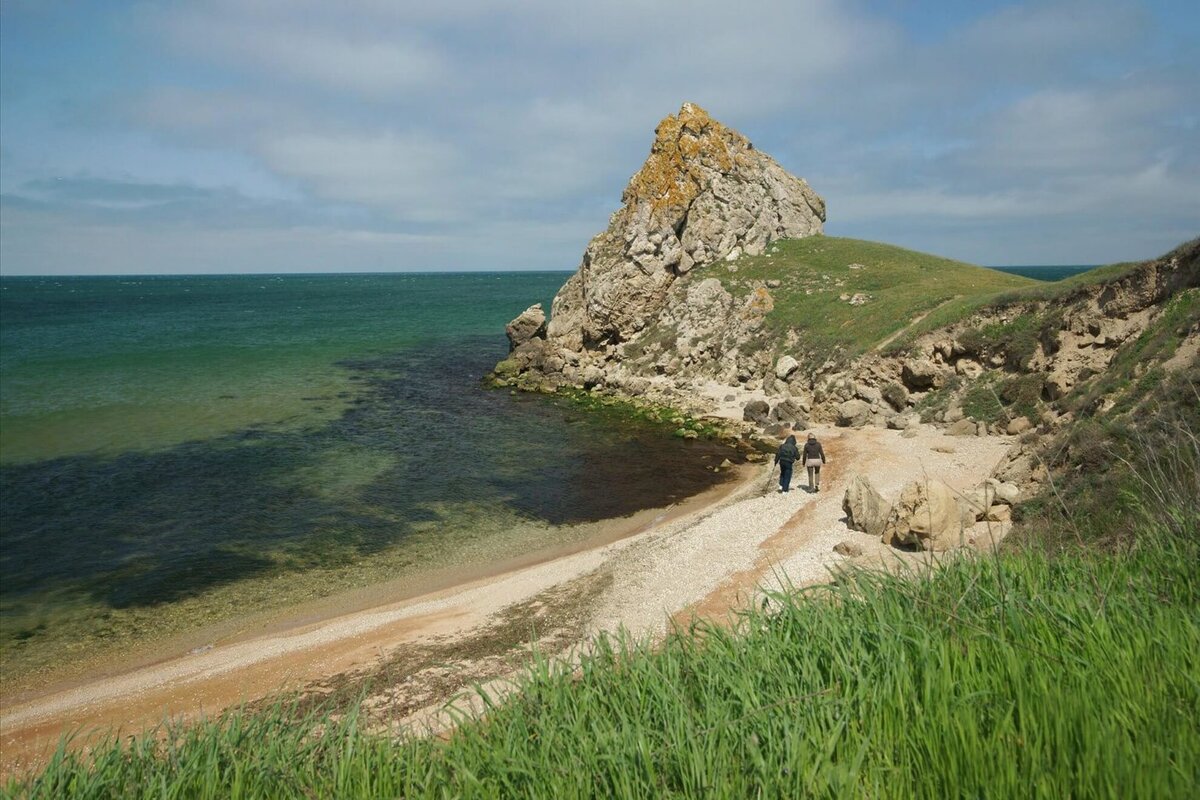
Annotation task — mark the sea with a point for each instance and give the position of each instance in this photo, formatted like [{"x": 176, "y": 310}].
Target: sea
[{"x": 179, "y": 450}]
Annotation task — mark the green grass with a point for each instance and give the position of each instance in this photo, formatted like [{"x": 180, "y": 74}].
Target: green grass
[
  {"x": 901, "y": 285},
  {"x": 1028, "y": 675}
]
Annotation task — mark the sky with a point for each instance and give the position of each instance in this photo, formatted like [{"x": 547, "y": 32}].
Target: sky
[{"x": 222, "y": 136}]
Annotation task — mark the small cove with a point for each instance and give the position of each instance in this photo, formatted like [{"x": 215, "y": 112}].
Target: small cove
[{"x": 382, "y": 458}]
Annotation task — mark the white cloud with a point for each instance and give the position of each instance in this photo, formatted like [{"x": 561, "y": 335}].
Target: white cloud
[
  {"x": 410, "y": 175},
  {"x": 520, "y": 123}
]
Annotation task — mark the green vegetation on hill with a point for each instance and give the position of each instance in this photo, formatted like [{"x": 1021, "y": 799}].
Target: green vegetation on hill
[{"x": 898, "y": 286}]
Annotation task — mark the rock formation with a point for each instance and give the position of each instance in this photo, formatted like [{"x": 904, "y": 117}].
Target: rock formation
[
  {"x": 704, "y": 194},
  {"x": 927, "y": 515},
  {"x": 865, "y": 508}
]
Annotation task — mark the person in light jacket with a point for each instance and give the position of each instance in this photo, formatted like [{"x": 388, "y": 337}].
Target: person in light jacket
[
  {"x": 787, "y": 455},
  {"x": 814, "y": 458}
]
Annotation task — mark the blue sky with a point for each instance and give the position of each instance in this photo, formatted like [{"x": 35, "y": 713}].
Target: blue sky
[{"x": 304, "y": 135}]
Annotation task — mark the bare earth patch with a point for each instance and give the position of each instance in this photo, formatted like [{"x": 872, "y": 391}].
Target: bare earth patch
[{"x": 414, "y": 656}]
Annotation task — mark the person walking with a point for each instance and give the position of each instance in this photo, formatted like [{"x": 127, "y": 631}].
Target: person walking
[
  {"x": 787, "y": 455},
  {"x": 814, "y": 458}
]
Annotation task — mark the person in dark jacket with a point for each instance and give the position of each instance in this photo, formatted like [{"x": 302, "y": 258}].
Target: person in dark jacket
[
  {"x": 814, "y": 457},
  {"x": 787, "y": 455}
]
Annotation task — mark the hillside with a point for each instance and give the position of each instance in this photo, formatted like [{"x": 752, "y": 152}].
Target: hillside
[{"x": 854, "y": 294}]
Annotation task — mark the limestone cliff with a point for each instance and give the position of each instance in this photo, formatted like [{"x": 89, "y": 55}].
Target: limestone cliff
[{"x": 704, "y": 194}]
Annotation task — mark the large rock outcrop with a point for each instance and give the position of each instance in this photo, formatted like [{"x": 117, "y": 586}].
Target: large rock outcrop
[{"x": 704, "y": 194}]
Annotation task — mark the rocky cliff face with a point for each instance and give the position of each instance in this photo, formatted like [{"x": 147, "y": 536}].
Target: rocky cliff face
[{"x": 703, "y": 195}]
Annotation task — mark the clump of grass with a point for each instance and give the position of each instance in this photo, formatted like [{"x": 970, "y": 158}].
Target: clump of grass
[
  {"x": 1023, "y": 394},
  {"x": 981, "y": 402}
]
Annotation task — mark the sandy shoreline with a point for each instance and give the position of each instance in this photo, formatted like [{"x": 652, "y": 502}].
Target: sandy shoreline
[{"x": 703, "y": 558}]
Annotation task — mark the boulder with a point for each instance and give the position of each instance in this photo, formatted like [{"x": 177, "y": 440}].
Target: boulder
[
  {"x": 998, "y": 513},
  {"x": 964, "y": 427},
  {"x": 1007, "y": 493},
  {"x": 530, "y": 354},
  {"x": 854, "y": 414},
  {"x": 865, "y": 508},
  {"x": 868, "y": 394},
  {"x": 927, "y": 514},
  {"x": 848, "y": 548},
  {"x": 529, "y": 324},
  {"x": 901, "y": 422},
  {"x": 789, "y": 411},
  {"x": 757, "y": 411},
  {"x": 785, "y": 366},
  {"x": 920, "y": 374},
  {"x": 968, "y": 368},
  {"x": 592, "y": 376},
  {"x": 987, "y": 536},
  {"x": 1018, "y": 426}
]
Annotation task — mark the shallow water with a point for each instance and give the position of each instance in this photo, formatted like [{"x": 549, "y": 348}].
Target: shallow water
[{"x": 163, "y": 444}]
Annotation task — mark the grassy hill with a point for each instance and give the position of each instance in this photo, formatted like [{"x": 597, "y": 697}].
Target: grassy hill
[{"x": 897, "y": 286}]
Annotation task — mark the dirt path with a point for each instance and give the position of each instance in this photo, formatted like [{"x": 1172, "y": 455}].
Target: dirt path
[
  {"x": 910, "y": 325},
  {"x": 429, "y": 648}
]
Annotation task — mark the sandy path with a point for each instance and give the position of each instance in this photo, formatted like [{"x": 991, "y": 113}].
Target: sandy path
[{"x": 704, "y": 562}]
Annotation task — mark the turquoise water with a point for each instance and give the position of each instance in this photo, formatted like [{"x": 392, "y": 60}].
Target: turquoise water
[
  {"x": 1047, "y": 273},
  {"x": 162, "y": 438}
]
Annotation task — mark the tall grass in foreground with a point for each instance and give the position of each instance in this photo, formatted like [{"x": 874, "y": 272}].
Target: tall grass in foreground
[{"x": 1022, "y": 676}]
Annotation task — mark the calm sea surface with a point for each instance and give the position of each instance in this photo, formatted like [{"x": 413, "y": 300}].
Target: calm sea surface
[
  {"x": 163, "y": 439},
  {"x": 1047, "y": 273}
]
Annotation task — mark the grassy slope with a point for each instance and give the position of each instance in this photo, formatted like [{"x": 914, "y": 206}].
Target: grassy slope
[
  {"x": 1024, "y": 676},
  {"x": 902, "y": 284}
]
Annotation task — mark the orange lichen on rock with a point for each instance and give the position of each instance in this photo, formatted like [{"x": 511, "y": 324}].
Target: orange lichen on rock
[{"x": 671, "y": 178}]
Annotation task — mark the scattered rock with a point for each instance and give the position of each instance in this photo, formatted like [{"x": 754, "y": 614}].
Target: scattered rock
[
  {"x": 848, "y": 548},
  {"x": 927, "y": 514},
  {"x": 902, "y": 422},
  {"x": 953, "y": 414},
  {"x": 865, "y": 508},
  {"x": 998, "y": 513},
  {"x": 785, "y": 367},
  {"x": 1005, "y": 492},
  {"x": 868, "y": 394},
  {"x": 592, "y": 376},
  {"x": 789, "y": 411},
  {"x": 1018, "y": 426},
  {"x": 756, "y": 411},
  {"x": 909, "y": 433},
  {"x": 921, "y": 374},
  {"x": 987, "y": 536},
  {"x": 529, "y": 324},
  {"x": 943, "y": 448},
  {"x": 726, "y": 464},
  {"x": 964, "y": 427},
  {"x": 774, "y": 284},
  {"x": 853, "y": 414}
]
